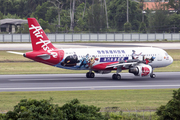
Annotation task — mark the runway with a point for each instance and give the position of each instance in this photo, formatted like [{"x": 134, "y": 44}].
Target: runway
[{"x": 62, "y": 82}]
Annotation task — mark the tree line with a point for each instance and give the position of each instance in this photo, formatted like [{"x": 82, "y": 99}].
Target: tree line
[{"x": 93, "y": 15}]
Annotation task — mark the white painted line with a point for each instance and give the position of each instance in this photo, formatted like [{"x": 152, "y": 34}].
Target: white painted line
[
  {"x": 35, "y": 79},
  {"x": 89, "y": 87}
]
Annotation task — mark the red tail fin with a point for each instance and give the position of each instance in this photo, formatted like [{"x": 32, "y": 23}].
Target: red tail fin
[{"x": 38, "y": 38}]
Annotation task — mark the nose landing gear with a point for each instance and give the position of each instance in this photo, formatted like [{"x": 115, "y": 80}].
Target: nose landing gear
[{"x": 152, "y": 75}]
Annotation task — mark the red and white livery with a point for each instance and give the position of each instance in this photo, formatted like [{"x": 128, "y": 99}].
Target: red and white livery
[{"x": 139, "y": 61}]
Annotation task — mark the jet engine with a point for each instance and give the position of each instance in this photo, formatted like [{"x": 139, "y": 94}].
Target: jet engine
[{"x": 141, "y": 70}]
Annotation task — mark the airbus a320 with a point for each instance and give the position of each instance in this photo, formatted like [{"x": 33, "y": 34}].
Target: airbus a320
[{"x": 139, "y": 61}]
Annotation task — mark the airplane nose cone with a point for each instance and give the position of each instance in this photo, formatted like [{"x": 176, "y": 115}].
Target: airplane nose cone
[{"x": 170, "y": 59}]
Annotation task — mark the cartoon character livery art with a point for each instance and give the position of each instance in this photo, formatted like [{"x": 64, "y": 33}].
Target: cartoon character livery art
[
  {"x": 139, "y": 61},
  {"x": 83, "y": 63}
]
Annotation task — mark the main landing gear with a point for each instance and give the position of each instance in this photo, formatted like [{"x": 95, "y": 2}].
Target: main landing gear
[
  {"x": 90, "y": 75},
  {"x": 116, "y": 76}
]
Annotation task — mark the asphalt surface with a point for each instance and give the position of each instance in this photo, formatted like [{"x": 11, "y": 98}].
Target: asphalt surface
[{"x": 62, "y": 82}]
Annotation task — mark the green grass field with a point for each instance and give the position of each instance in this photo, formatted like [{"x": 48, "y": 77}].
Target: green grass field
[
  {"x": 17, "y": 64},
  {"x": 124, "y": 99}
]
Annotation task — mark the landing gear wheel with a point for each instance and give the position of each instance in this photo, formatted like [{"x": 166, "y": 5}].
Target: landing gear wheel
[
  {"x": 87, "y": 74},
  {"x": 116, "y": 76},
  {"x": 152, "y": 75},
  {"x": 90, "y": 75}
]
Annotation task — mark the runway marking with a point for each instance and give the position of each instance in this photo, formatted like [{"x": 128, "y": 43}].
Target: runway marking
[
  {"x": 35, "y": 79},
  {"x": 89, "y": 87}
]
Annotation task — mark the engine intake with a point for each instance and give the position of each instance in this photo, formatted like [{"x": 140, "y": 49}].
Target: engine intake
[{"x": 134, "y": 70}]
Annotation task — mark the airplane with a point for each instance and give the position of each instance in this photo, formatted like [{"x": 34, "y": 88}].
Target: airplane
[{"x": 139, "y": 61}]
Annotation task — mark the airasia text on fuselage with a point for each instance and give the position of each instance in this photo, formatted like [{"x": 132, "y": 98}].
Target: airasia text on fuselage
[{"x": 38, "y": 33}]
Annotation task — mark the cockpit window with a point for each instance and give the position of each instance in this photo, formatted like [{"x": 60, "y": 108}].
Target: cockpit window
[{"x": 166, "y": 54}]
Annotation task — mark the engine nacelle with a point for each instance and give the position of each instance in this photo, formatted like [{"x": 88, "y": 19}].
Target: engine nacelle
[
  {"x": 102, "y": 71},
  {"x": 141, "y": 70}
]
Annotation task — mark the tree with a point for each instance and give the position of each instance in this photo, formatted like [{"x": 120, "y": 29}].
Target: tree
[
  {"x": 106, "y": 14},
  {"x": 58, "y": 5},
  {"x": 96, "y": 18},
  {"x": 75, "y": 111},
  {"x": 170, "y": 111},
  {"x": 174, "y": 22},
  {"x": 27, "y": 7},
  {"x": 142, "y": 27},
  {"x": 41, "y": 11},
  {"x": 159, "y": 20},
  {"x": 141, "y": 6},
  {"x": 1, "y": 15},
  {"x": 84, "y": 9},
  {"x": 117, "y": 14},
  {"x": 174, "y": 4},
  {"x": 72, "y": 12},
  {"x": 127, "y": 27},
  {"x": 44, "y": 110},
  {"x": 80, "y": 18},
  {"x": 34, "y": 109}
]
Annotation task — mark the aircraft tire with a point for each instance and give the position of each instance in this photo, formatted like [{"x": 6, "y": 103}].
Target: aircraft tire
[
  {"x": 152, "y": 75},
  {"x": 90, "y": 75},
  {"x": 116, "y": 76}
]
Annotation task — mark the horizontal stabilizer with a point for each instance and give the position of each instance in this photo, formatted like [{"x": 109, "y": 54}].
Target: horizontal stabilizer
[
  {"x": 44, "y": 56},
  {"x": 19, "y": 53}
]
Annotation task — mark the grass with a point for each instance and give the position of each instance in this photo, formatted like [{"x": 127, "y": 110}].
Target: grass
[
  {"x": 8, "y": 57},
  {"x": 33, "y": 68},
  {"x": 174, "y": 67},
  {"x": 124, "y": 99},
  {"x": 175, "y": 54}
]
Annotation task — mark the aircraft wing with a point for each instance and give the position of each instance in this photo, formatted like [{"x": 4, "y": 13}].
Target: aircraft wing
[{"x": 126, "y": 65}]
